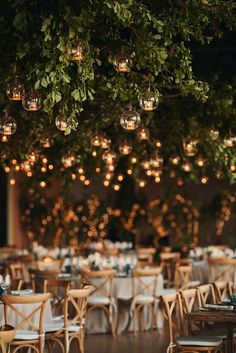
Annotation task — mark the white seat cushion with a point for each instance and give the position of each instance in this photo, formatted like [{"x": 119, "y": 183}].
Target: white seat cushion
[
  {"x": 98, "y": 300},
  {"x": 167, "y": 291},
  {"x": 193, "y": 284},
  {"x": 53, "y": 327},
  {"x": 144, "y": 298},
  {"x": 207, "y": 341},
  {"x": 74, "y": 328},
  {"x": 26, "y": 335},
  {"x": 57, "y": 318}
]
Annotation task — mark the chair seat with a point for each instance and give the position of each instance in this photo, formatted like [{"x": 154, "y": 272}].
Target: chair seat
[
  {"x": 57, "y": 318},
  {"x": 53, "y": 327},
  {"x": 98, "y": 300},
  {"x": 166, "y": 291},
  {"x": 74, "y": 328},
  {"x": 26, "y": 335},
  {"x": 144, "y": 298},
  {"x": 207, "y": 341},
  {"x": 193, "y": 284}
]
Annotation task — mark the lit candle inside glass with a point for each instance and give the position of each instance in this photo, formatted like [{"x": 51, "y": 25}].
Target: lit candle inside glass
[
  {"x": 7, "y": 130},
  {"x": 63, "y": 125},
  {"x": 79, "y": 55},
  {"x": 33, "y": 106},
  {"x": 122, "y": 66},
  {"x": 148, "y": 105},
  {"x": 130, "y": 125},
  {"x": 16, "y": 96}
]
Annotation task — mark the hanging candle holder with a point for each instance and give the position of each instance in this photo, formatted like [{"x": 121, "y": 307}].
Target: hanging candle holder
[
  {"x": 149, "y": 100},
  {"x": 229, "y": 140},
  {"x": 143, "y": 134},
  {"x": 7, "y": 125},
  {"x": 109, "y": 157},
  {"x": 130, "y": 119},
  {"x": 79, "y": 48},
  {"x": 46, "y": 141},
  {"x": 214, "y": 133},
  {"x": 61, "y": 122},
  {"x": 15, "y": 90},
  {"x": 190, "y": 146},
  {"x": 175, "y": 159},
  {"x": 31, "y": 101},
  {"x": 156, "y": 160},
  {"x": 200, "y": 161},
  {"x": 122, "y": 62},
  {"x": 125, "y": 148},
  {"x": 96, "y": 140},
  {"x": 186, "y": 167},
  {"x": 105, "y": 141},
  {"x": 68, "y": 160}
]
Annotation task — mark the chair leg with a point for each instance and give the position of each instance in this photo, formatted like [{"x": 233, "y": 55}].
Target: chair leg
[{"x": 81, "y": 341}]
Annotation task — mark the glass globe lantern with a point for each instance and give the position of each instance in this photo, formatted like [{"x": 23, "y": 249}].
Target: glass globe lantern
[
  {"x": 125, "y": 148},
  {"x": 96, "y": 140},
  {"x": 175, "y": 159},
  {"x": 109, "y": 156},
  {"x": 214, "y": 133},
  {"x": 15, "y": 90},
  {"x": 229, "y": 141},
  {"x": 130, "y": 119},
  {"x": 61, "y": 122},
  {"x": 105, "y": 142},
  {"x": 156, "y": 161},
  {"x": 31, "y": 101},
  {"x": 186, "y": 167},
  {"x": 143, "y": 134},
  {"x": 7, "y": 125},
  {"x": 200, "y": 161},
  {"x": 149, "y": 100},
  {"x": 78, "y": 50},
  {"x": 190, "y": 146},
  {"x": 33, "y": 157},
  {"x": 68, "y": 160},
  {"x": 122, "y": 62},
  {"x": 46, "y": 142}
]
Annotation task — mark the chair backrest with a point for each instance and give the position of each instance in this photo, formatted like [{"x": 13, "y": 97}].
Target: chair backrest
[
  {"x": 100, "y": 281},
  {"x": 49, "y": 264},
  {"x": 206, "y": 294},
  {"x": 145, "y": 254},
  {"x": 16, "y": 284},
  {"x": 168, "y": 263},
  {"x": 7, "y": 334},
  {"x": 222, "y": 269},
  {"x": 182, "y": 277},
  {"x": 34, "y": 317},
  {"x": 144, "y": 281},
  {"x": 58, "y": 289},
  {"x": 17, "y": 270},
  {"x": 37, "y": 278},
  {"x": 189, "y": 303},
  {"x": 173, "y": 312},
  {"x": 78, "y": 299},
  {"x": 223, "y": 290}
]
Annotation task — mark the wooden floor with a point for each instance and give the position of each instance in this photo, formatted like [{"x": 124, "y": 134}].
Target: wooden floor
[{"x": 144, "y": 342}]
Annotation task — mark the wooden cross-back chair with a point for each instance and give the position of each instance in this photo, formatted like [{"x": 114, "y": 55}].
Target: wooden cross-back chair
[
  {"x": 7, "y": 334},
  {"x": 173, "y": 313},
  {"x": 144, "y": 290},
  {"x": 37, "y": 278},
  {"x": 16, "y": 284},
  {"x": 58, "y": 289},
  {"x": 29, "y": 327},
  {"x": 73, "y": 324},
  {"x": 223, "y": 290},
  {"x": 182, "y": 277},
  {"x": 168, "y": 263},
  {"x": 101, "y": 297},
  {"x": 222, "y": 269},
  {"x": 206, "y": 294}
]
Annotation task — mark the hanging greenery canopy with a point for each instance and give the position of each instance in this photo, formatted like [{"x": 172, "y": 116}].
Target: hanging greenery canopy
[{"x": 84, "y": 63}]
